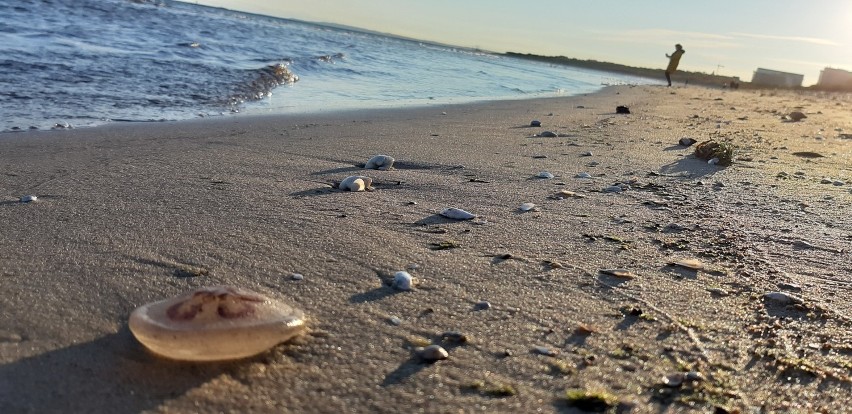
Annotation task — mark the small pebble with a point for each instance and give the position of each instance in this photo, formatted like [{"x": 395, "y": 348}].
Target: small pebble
[
  {"x": 586, "y": 154},
  {"x": 535, "y": 123},
  {"x": 28, "y": 198},
  {"x": 297, "y": 276},
  {"x": 546, "y": 175},
  {"x": 583, "y": 175},
  {"x": 433, "y": 353},
  {"x": 394, "y": 321},
  {"x": 483, "y": 305},
  {"x": 548, "y": 134}
]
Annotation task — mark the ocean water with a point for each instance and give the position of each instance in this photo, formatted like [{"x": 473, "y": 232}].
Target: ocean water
[{"x": 76, "y": 63}]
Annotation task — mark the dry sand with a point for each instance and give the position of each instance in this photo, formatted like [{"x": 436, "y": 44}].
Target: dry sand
[{"x": 130, "y": 214}]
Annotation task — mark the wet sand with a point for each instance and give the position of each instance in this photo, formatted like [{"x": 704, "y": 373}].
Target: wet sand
[{"x": 130, "y": 214}]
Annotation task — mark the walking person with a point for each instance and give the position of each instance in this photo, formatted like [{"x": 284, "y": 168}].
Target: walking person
[{"x": 674, "y": 59}]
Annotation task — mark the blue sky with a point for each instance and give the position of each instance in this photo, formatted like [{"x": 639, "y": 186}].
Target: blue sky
[{"x": 731, "y": 37}]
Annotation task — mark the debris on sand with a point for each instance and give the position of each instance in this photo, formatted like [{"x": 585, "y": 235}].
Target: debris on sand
[
  {"x": 795, "y": 116},
  {"x": 722, "y": 151}
]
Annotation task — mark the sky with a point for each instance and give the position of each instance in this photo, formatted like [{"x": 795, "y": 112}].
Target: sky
[{"x": 726, "y": 37}]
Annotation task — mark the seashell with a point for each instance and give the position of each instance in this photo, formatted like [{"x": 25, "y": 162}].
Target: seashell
[
  {"x": 565, "y": 193},
  {"x": 796, "y": 116},
  {"x": 673, "y": 380},
  {"x": 454, "y": 337},
  {"x": 29, "y": 198},
  {"x": 546, "y": 175},
  {"x": 713, "y": 161},
  {"x": 356, "y": 183},
  {"x": 215, "y": 323},
  {"x": 691, "y": 264},
  {"x": 583, "y": 175},
  {"x": 482, "y": 305},
  {"x": 718, "y": 291},
  {"x": 297, "y": 276},
  {"x": 543, "y": 350},
  {"x": 527, "y": 207},
  {"x": 457, "y": 214},
  {"x": 535, "y": 123},
  {"x": 433, "y": 353},
  {"x": 402, "y": 281},
  {"x": 687, "y": 141},
  {"x": 379, "y": 162},
  {"x": 586, "y": 154},
  {"x": 619, "y": 273},
  {"x": 782, "y": 298},
  {"x": 548, "y": 134},
  {"x": 616, "y": 188}
]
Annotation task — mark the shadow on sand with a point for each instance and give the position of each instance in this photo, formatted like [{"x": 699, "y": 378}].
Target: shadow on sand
[
  {"x": 113, "y": 373},
  {"x": 689, "y": 165}
]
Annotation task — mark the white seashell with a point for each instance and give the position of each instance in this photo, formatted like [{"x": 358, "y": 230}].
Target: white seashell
[
  {"x": 297, "y": 276},
  {"x": 543, "y": 350},
  {"x": 527, "y": 207},
  {"x": 586, "y": 154},
  {"x": 783, "y": 298},
  {"x": 28, "y": 198},
  {"x": 379, "y": 162},
  {"x": 583, "y": 175},
  {"x": 356, "y": 183},
  {"x": 713, "y": 161},
  {"x": 546, "y": 175},
  {"x": 215, "y": 323},
  {"x": 402, "y": 281},
  {"x": 433, "y": 353},
  {"x": 457, "y": 214}
]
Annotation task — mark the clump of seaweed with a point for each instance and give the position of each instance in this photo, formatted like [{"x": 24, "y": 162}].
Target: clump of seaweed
[
  {"x": 721, "y": 151},
  {"x": 588, "y": 400}
]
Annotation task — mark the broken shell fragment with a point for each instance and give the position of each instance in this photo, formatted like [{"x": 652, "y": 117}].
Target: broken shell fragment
[
  {"x": 356, "y": 183},
  {"x": 691, "y": 264},
  {"x": 782, "y": 298},
  {"x": 29, "y": 198},
  {"x": 457, "y": 214},
  {"x": 546, "y": 175},
  {"x": 379, "y": 162},
  {"x": 215, "y": 323},
  {"x": 619, "y": 273},
  {"x": 686, "y": 141},
  {"x": 527, "y": 207}
]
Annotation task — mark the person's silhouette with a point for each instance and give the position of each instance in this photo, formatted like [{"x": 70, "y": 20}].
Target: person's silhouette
[{"x": 674, "y": 59}]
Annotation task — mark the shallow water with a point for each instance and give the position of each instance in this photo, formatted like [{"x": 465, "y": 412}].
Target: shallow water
[{"x": 89, "y": 62}]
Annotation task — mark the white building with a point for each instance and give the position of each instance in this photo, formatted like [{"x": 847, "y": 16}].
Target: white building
[
  {"x": 769, "y": 77},
  {"x": 831, "y": 78}
]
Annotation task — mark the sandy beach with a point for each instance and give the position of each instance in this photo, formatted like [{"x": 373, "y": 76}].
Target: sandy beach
[{"x": 128, "y": 214}]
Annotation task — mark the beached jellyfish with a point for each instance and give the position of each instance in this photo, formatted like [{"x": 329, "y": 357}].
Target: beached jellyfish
[
  {"x": 356, "y": 183},
  {"x": 380, "y": 162},
  {"x": 215, "y": 323}
]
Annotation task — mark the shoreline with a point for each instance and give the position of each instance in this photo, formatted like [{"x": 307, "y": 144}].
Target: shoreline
[{"x": 133, "y": 213}]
